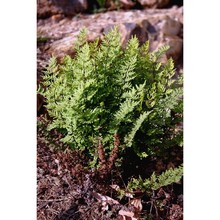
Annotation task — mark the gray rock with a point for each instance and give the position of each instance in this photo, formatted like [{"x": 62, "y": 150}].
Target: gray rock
[
  {"x": 158, "y": 26},
  {"x": 47, "y": 8},
  {"x": 176, "y": 46},
  {"x": 71, "y": 7},
  {"x": 167, "y": 25},
  {"x": 154, "y": 3},
  {"x": 122, "y": 4}
]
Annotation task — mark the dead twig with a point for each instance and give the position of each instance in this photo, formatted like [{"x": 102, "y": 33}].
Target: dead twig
[{"x": 53, "y": 200}]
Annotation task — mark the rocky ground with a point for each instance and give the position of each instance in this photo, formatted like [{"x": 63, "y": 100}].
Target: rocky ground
[
  {"x": 56, "y": 34},
  {"x": 65, "y": 188}
]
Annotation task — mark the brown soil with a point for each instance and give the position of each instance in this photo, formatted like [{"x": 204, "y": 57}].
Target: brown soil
[{"x": 68, "y": 189}]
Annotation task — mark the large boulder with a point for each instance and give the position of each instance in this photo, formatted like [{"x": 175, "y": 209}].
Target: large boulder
[
  {"x": 47, "y": 8},
  {"x": 71, "y": 7},
  {"x": 167, "y": 30},
  {"x": 160, "y": 27}
]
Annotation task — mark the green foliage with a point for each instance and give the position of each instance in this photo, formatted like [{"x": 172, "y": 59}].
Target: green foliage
[
  {"x": 42, "y": 39},
  {"x": 155, "y": 182},
  {"x": 101, "y": 3},
  {"x": 106, "y": 90}
]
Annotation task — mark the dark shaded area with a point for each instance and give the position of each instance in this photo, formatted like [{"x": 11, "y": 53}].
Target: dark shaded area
[
  {"x": 133, "y": 166},
  {"x": 92, "y": 4},
  {"x": 138, "y": 6},
  {"x": 178, "y": 3},
  {"x": 70, "y": 214},
  {"x": 151, "y": 29},
  {"x": 69, "y": 7}
]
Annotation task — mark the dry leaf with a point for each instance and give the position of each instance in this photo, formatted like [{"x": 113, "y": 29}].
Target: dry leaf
[
  {"x": 104, "y": 206},
  {"x": 137, "y": 204},
  {"x": 102, "y": 198},
  {"x": 127, "y": 3},
  {"x": 126, "y": 215},
  {"x": 58, "y": 167},
  {"x": 129, "y": 195},
  {"x": 115, "y": 187}
]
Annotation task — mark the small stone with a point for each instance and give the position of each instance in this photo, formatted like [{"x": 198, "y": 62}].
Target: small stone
[{"x": 153, "y": 3}]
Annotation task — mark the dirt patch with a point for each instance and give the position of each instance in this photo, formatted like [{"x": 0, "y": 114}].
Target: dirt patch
[{"x": 68, "y": 189}]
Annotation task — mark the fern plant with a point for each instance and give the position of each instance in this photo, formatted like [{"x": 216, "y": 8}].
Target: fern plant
[
  {"x": 114, "y": 97},
  {"x": 172, "y": 175}
]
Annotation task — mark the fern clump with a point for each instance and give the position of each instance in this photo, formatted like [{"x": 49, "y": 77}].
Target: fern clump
[{"x": 112, "y": 98}]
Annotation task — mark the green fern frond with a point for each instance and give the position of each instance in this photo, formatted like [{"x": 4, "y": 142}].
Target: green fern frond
[
  {"x": 125, "y": 108},
  {"x": 51, "y": 72},
  {"x": 172, "y": 175},
  {"x": 81, "y": 39},
  {"x": 156, "y": 55},
  {"x": 130, "y": 136}
]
